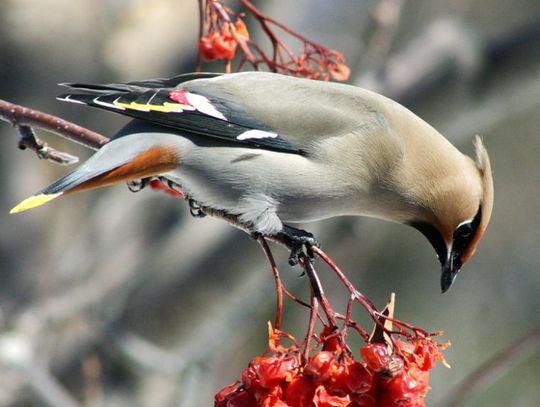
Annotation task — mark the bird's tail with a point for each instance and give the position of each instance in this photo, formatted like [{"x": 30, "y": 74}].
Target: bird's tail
[{"x": 116, "y": 162}]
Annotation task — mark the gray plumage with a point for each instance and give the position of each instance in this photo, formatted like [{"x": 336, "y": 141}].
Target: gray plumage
[{"x": 274, "y": 149}]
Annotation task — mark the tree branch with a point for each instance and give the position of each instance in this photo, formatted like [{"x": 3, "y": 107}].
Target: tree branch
[{"x": 24, "y": 118}]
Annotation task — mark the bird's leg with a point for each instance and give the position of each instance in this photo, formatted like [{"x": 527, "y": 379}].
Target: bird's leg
[
  {"x": 171, "y": 184},
  {"x": 195, "y": 209},
  {"x": 138, "y": 184},
  {"x": 298, "y": 240}
]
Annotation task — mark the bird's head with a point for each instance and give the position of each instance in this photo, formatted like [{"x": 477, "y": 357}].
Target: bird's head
[{"x": 459, "y": 216}]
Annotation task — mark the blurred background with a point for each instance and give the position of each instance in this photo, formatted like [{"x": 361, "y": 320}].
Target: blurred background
[{"x": 111, "y": 298}]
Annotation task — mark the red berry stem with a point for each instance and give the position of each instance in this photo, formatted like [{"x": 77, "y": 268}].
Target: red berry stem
[
  {"x": 223, "y": 31},
  {"x": 277, "y": 281}
]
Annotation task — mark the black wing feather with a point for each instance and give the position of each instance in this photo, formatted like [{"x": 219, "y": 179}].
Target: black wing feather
[
  {"x": 137, "y": 85},
  {"x": 192, "y": 122},
  {"x": 175, "y": 80}
]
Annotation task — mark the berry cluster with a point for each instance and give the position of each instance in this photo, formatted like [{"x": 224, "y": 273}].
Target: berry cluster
[
  {"x": 223, "y": 32},
  {"x": 331, "y": 377},
  {"x": 221, "y": 42}
]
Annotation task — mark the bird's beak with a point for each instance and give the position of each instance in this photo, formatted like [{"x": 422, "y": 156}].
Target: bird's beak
[{"x": 450, "y": 269}]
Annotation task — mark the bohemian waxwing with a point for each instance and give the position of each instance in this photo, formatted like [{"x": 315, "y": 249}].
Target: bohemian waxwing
[{"x": 273, "y": 149}]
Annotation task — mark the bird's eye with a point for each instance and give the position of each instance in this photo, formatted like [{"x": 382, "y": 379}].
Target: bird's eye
[
  {"x": 464, "y": 237},
  {"x": 463, "y": 231}
]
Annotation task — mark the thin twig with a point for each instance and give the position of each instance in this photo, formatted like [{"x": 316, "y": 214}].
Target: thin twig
[
  {"x": 355, "y": 325},
  {"x": 366, "y": 303},
  {"x": 313, "y": 61},
  {"x": 318, "y": 291},
  {"x": 277, "y": 280},
  {"x": 313, "y": 314},
  {"x": 198, "y": 62},
  {"x": 381, "y": 320},
  {"x": 294, "y": 298},
  {"x": 30, "y": 141},
  {"x": 20, "y": 115}
]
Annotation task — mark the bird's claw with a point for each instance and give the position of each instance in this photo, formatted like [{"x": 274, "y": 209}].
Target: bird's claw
[
  {"x": 300, "y": 239},
  {"x": 195, "y": 209},
  {"x": 297, "y": 249},
  {"x": 138, "y": 184},
  {"x": 172, "y": 184}
]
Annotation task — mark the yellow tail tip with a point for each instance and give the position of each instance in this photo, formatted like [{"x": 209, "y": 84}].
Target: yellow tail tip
[{"x": 34, "y": 201}]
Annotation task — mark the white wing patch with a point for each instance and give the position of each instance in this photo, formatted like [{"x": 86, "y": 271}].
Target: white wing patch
[
  {"x": 106, "y": 104},
  {"x": 68, "y": 99},
  {"x": 202, "y": 104},
  {"x": 256, "y": 134}
]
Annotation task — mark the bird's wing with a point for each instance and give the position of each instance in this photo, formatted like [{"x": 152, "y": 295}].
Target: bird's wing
[
  {"x": 163, "y": 102},
  {"x": 255, "y": 109}
]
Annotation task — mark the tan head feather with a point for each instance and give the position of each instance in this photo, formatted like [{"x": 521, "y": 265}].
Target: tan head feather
[{"x": 484, "y": 166}]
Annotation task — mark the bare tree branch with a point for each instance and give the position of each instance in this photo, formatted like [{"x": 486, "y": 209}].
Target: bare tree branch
[
  {"x": 29, "y": 140},
  {"x": 25, "y": 118}
]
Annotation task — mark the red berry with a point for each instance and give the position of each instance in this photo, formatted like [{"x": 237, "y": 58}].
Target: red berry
[
  {"x": 156, "y": 185},
  {"x": 224, "y": 46},
  {"x": 364, "y": 400},
  {"x": 241, "y": 399},
  {"x": 221, "y": 397},
  {"x": 407, "y": 350},
  {"x": 324, "y": 399},
  {"x": 299, "y": 392},
  {"x": 206, "y": 47},
  {"x": 273, "y": 402},
  {"x": 386, "y": 401},
  {"x": 376, "y": 356},
  {"x": 426, "y": 353},
  {"x": 359, "y": 379},
  {"x": 337, "y": 382},
  {"x": 408, "y": 386},
  {"x": 249, "y": 378},
  {"x": 273, "y": 370},
  {"x": 274, "y": 398},
  {"x": 330, "y": 340},
  {"x": 322, "y": 366}
]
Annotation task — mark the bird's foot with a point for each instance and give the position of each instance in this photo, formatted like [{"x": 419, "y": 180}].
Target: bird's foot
[
  {"x": 195, "y": 209},
  {"x": 172, "y": 185},
  {"x": 300, "y": 239},
  {"x": 138, "y": 184}
]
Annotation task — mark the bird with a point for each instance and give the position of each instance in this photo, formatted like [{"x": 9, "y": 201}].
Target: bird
[{"x": 275, "y": 150}]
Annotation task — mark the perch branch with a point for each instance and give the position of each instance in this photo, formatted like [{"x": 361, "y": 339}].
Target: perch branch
[
  {"x": 277, "y": 280},
  {"x": 25, "y": 119}
]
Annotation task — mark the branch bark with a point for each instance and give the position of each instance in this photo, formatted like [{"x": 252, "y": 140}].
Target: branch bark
[{"x": 21, "y": 116}]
